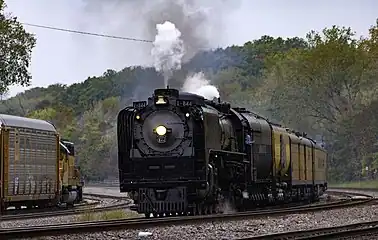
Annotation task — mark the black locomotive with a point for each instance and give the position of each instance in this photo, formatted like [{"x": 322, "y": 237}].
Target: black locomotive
[{"x": 182, "y": 154}]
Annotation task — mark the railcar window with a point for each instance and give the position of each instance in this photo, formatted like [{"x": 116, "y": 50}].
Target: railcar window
[
  {"x": 319, "y": 160},
  {"x": 72, "y": 150}
]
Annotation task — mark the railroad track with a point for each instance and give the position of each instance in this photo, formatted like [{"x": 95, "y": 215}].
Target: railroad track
[
  {"x": 98, "y": 226},
  {"x": 350, "y": 230},
  {"x": 356, "y": 189},
  {"x": 11, "y": 212},
  {"x": 119, "y": 203}
]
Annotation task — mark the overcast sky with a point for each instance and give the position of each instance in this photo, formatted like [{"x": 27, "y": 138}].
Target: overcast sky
[{"x": 61, "y": 57}]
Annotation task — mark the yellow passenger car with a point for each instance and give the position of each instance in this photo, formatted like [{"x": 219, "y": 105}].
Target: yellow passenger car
[{"x": 299, "y": 161}]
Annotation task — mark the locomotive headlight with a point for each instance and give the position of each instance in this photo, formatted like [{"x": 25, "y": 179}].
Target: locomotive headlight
[{"x": 161, "y": 130}]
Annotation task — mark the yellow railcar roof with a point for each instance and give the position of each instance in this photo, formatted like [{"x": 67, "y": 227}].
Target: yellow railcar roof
[{"x": 22, "y": 122}]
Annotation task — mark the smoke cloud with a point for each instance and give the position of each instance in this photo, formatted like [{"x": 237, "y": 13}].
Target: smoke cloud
[
  {"x": 168, "y": 50},
  {"x": 203, "y": 24},
  {"x": 197, "y": 83},
  {"x": 200, "y": 23},
  {"x": 178, "y": 28}
]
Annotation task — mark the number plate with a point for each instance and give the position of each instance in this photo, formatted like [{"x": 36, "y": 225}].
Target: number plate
[{"x": 183, "y": 103}]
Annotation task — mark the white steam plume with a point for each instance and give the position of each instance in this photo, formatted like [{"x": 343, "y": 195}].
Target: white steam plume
[
  {"x": 168, "y": 50},
  {"x": 198, "y": 84}
]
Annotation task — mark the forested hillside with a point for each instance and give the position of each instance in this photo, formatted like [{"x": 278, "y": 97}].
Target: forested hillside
[{"x": 325, "y": 85}]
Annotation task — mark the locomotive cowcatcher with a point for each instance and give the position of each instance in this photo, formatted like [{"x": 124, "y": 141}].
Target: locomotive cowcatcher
[{"x": 182, "y": 154}]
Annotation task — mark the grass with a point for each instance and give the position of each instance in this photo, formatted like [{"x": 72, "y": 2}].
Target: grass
[
  {"x": 92, "y": 215},
  {"x": 359, "y": 184}
]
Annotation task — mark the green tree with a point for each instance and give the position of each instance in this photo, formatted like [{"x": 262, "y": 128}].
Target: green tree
[
  {"x": 331, "y": 78},
  {"x": 325, "y": 87},
  {"x": 96, "y": 140},
  {"x": 15, "y": 51}
]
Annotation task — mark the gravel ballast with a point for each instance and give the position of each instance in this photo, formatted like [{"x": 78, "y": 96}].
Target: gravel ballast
[
  {"x": 233, "y": 229},
  {"x": 242, "y": 228},
  {"x": 104, "y": 202}
]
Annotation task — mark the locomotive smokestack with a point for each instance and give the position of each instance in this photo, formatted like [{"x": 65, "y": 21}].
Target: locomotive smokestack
[{"x": 167, "y": 86}]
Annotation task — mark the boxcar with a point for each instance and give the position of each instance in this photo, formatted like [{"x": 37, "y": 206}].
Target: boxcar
[{"x": 29, "y": 169}]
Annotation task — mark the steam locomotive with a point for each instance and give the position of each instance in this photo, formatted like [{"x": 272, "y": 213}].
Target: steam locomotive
[{"x": 179, "y": 153}]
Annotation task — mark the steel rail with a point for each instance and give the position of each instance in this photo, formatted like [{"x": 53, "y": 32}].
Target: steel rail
[
  {"x": 354, "y": 189},
  {"x": 356, "y": 229},
  {"x": 110, "y": 225}
]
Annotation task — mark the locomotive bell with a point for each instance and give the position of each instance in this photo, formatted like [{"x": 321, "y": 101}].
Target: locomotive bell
[
  {"x": 166, "y": 92},
  {"x": 160, "y": 100},
  {"x": 162, "y": 95}
]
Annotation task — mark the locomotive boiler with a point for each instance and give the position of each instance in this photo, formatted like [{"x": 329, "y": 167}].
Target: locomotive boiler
[{"x": 182, "y": 154}]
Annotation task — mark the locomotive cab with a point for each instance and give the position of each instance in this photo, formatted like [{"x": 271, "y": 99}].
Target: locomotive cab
[{"x": 71, "y": 185}]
